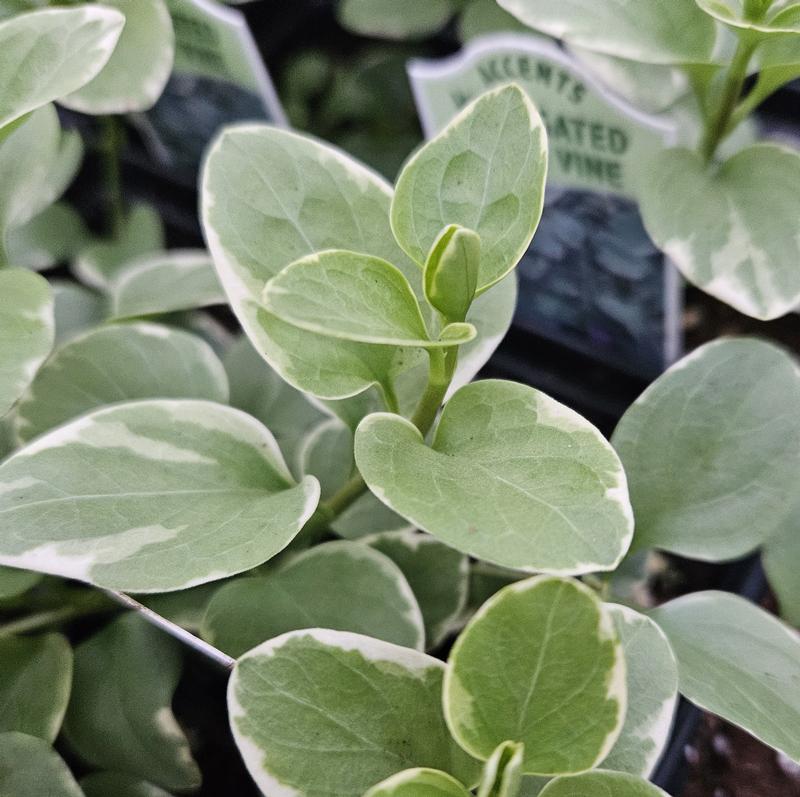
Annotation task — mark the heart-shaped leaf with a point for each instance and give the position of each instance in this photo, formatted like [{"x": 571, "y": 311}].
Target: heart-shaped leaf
[
  {"x": 512, "y": 477},
  {"x": 652, "y": 678},
  {"x": 645, "y": 31},
  {"x": 27, "y": 330},
  {"x": 774, "y": 17},
  {"x": 712, "y": 450},
  {"x": 99, "y": 368},
  {"x": 165, "y": 282},
  {"x": 359, "y": 700},
  {"x": 561, "y": 689},
  {"x": 117, "y": 497},
  {"x": 737, "y": 661},
  {"x": 29, "y": 767},
  {"x": 119, "y": 715},
  {"x": 35, "y": 681},
  {"x": 437, "y": 574},
  {"x": 419, "y": 783},
  {"x": 139, "y": 67},
  {"x": 707, "y": 220},
  {"x": 484, "y": 171},
  {"x": 350, "y": 296},
  {"x": 61, "y": 49},
  {"x": 340, "y": 585},
  {"x": 271, "y": 197},
  {"x": 601, "y": 783}
]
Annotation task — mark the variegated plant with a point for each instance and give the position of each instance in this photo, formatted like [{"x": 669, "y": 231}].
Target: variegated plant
[{"x": 146, "y": 451}]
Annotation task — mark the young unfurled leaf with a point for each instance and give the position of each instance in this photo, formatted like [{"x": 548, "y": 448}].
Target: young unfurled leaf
[
  {"x": 652, "y": 678},
  {"x": 388, "y": 19},
  {"x": 741, "y": 251},
  {"x": 451, "y": 271},
  {"x": 780, "y": 556},
  {"x": 259, "y": 391},
  {"x": 119, "y": 363},
  {"x": 419, "y": 783},
  {"x": 502, "y": 773},
  {"x": 712, "y": 448},
  {"x": 271, "y": 197},
  {"x": 561, "y": 687},
  {"x": 305, "y": 702},
  {"x": 650, "y": 31},
  {"x": 163, "y": 282},
  {"x": 118, "y": 784},
  {"x": 485, "y": 171},
  {"x": 29, "y": 767},
  {"x": 601, "y": 783},
  {"x": 35, "y": 682},
  {"x": 117, "y": 497},
  {"x": 139, "y": 67},
  {"x": 737, "y": 661},
  {"x": 512, "y": 477},
  {"x": 437, "y": 574},
  {"x": 120, "y": 715},
  {"x": 341, "y": 585},
  {"x": 61, "y": 48},
  {"x": 774, "y": 18},
  {"x": 27, "y": 330},
  {"x": 102, "y": 262},
  {"x": 348, "y": 295}
]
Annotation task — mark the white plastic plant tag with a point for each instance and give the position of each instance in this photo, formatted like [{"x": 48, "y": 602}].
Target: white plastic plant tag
[
  {"x": 592, "y": 280},
  {"x": 219, "y": 77}
]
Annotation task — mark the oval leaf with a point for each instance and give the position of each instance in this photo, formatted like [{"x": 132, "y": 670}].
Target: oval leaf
[
  {"x": 348, "y": 295},
  {"x": 512, "y": 477},
  {"x": 35, "y": 681},
  {"x": 359, "y": 699},
  {"x": 601, "y": 784},
  {"x": 437, "y": 574},
  {"x": 652, "y": 678},
  {"x": 61, "y": 49},
  {"x": 642, "y": 31},
  {"x": 419, "y": 783},
  {"x": 118, "y": 497},
  {"x": 119, "y": 716},
  {"x": 29, "y": 767},
  {"x": 386, "y": 19},
  {"x": 119, "y": 363},
  {"x": 737, "y": 661},
  {"x": 270, "y": 197},
  {"x": 340, "y": 585},
  {"x": 739, "y": 249},
  {"x": 27, "y": 330},
  {"x": 165, "y": 282},
  {"x": 712, "y": 449},
  {"x": 780, "y": 556},
  {"x": 485, "y": 171},
  {"x": 562, "y": 688},
  {"x": 139, "y": 67}
]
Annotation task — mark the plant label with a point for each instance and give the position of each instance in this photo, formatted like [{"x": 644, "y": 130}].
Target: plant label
[
  {"x": 218, "y": 78},
  {"x": 592, "y": 279}
]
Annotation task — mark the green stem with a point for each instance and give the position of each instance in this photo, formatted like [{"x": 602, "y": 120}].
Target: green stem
[
  {"x": 442, "y": 367},
  {"x": 33, "y": 622},
  {"x": 111, "y": 148},
  {"x": 717, "y": 127}
]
